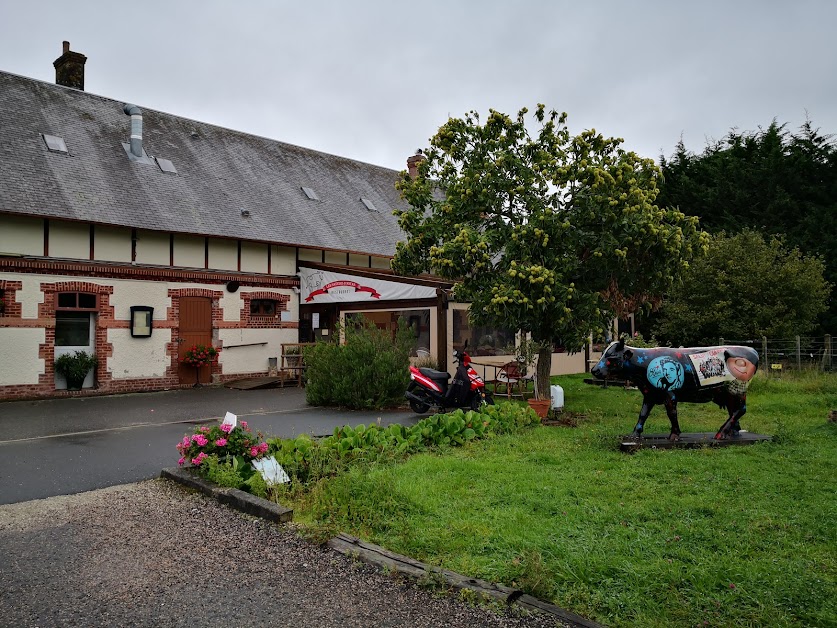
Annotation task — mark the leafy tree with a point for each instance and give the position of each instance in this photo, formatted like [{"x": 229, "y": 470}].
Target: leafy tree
[
  {"x": 744, "y": 288},
  {"x": 546, "y": 232},
  {"x": 771, "y": 180}
]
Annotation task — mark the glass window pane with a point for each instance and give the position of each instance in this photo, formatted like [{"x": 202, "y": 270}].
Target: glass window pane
[
  {"x": 481, "y": 340},
  {"x": 262, "y": 307},
  {"x": 72, "y": 329},
  {"x": 67, "y": 299},
  {"x": 419, "y": 323},
  {"x": 87, "y": 300}
]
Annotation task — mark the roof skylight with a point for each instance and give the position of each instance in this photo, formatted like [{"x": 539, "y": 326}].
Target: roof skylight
[
  {"x": 369, "y": 204},
  {"x": 311, "y": 194},
  {"x": 166, "y": 165},
  {"x": 55, "y": 144}
]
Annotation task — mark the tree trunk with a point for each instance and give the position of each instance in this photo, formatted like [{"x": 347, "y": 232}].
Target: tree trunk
[{"x": 544, "y": 367}]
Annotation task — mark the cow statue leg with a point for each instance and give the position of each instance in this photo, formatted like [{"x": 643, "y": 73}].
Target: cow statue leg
[
  {"x": 647, "y": 405},
  {"x": 671, "y": 410},
  {"x": 736, "y": 404}
]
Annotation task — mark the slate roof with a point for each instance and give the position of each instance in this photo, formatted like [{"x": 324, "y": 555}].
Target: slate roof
[{"x": 219, "y": 173}]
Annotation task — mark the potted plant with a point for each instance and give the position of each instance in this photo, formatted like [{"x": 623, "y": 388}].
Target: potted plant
[
  {"x": 200, "y": 356},
  {"x": 526, "y": 352},
  {"x": 75, "y": 367}
]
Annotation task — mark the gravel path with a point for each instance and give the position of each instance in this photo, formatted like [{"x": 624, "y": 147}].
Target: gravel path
[{"x": 157, "y": 554}]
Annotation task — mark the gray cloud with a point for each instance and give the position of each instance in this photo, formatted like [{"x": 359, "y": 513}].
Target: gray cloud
[{"x": 372, "y": 80}]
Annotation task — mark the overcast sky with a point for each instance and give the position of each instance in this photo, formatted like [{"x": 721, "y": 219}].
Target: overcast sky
[{"x": 373, "y": 80}]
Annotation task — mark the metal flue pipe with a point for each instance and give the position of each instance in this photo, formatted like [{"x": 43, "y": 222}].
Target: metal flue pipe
[{"x": 136, "y": 128}]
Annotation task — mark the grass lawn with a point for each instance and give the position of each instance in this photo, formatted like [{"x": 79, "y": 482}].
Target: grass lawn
[{"x": 743, "y": 536}]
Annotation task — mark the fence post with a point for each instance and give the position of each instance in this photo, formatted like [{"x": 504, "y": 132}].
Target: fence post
[
  {"x": 764, "y": 350},
  {"x": 798, "y": 354},
  {"x": 826, "y": 354}
]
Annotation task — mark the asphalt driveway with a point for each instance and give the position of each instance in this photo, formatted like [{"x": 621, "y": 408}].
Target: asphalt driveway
[{"x": 64, "y": 446}]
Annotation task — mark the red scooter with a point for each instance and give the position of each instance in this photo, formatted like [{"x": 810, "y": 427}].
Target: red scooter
[{"x": 429, "y": 387}]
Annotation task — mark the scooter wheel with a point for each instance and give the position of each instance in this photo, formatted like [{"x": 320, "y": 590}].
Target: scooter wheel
[
  {"x": 477, "y": 402},
  {"x": 419, "y": 408}
]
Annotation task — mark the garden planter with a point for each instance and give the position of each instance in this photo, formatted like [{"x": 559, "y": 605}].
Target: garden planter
[
  {"x": 540, "y": 406},
  {"x": 75, "y": 383},
  {"x": 75, "y": 367}
]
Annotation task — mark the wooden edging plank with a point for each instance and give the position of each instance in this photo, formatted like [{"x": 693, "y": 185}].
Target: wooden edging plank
[
  {"x": 232, "y": 497},
  {"x": 383, "y": 558}
]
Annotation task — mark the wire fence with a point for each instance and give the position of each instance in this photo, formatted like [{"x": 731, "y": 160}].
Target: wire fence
[{"x": 792, "y": 354}]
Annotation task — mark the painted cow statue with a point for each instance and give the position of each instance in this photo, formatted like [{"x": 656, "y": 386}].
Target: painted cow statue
[{"x": 697, "y": 375}]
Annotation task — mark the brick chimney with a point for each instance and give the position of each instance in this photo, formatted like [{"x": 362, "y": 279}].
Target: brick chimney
[
  {"x": 413, "y": 162},
  {"x": 69, "y": 68}
]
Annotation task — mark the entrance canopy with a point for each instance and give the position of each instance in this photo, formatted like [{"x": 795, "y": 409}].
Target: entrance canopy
[{"x": 326, "y": 286}]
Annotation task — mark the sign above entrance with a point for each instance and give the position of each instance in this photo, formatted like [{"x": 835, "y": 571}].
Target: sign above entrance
[{"x": 323, "y": 286}]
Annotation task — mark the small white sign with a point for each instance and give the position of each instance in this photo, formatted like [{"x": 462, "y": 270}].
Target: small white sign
[
  {"x": 315, "y": 320},
  {"x": 271, "y": 471},
  {"x": 230, "y": 419}
]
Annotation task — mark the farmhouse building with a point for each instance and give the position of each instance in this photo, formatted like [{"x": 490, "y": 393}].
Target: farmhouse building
[{"x": 135, "y": 234}]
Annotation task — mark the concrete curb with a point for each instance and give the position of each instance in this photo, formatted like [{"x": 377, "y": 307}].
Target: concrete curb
[{"x": 232, "y": 497}]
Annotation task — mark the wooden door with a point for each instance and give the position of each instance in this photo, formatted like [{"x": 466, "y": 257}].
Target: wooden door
[{"x": 195, "y": 329}]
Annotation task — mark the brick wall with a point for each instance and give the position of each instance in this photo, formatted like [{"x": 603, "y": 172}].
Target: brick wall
[{"x": 104, "y": 381}]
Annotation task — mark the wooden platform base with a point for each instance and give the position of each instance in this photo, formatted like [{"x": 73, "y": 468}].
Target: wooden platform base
[
  {"x": 616, "y": 383},
  {"x": 692, "y": 440},
  {"x": 253, "y": 383}
]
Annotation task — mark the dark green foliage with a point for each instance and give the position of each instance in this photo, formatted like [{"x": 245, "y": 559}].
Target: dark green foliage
[
  {"x": 769, "y": 180},
  {"x": 744, "y": 288},
  {"x": 542, "y": 231},
  {"x": 75, "y": 367},
  {"x": 306, "y": 460},
  {"x": 370, "y": 370}
]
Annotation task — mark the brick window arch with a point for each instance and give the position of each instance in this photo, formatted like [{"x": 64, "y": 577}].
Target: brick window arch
[
  {"x": 264, "y": 309},
  {"x": 104, "y": 319}
]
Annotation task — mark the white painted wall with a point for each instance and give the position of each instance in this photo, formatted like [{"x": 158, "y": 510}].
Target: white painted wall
[
  {"x": 112, "y": 244},
  {"x": 30, "y": 295},
  {"x": 223, "y": 254},
  {"x": 152, "y": 248},
  {"x": 231, "y": 304},
  {"x": 19, "y": 361},
  {"x": 189, "y": 251},
  {"x": 282, "y": 260},
  {"x": 69, "y": 239},
  {"x": 138, "y": 357},
  {"x": 310, "y": 255},
  {"x": 253, "y": 257},
  {"x": 21, "y": 235},
  {"x": 254, "y": 358},
  {"x": 152, "y": 293},
  {"x": 361, "y": 261},
  {"x": 333, "y": 257}
]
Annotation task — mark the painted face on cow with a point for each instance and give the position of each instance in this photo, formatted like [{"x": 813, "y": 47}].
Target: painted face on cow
[{"x": 741, "y": 368}]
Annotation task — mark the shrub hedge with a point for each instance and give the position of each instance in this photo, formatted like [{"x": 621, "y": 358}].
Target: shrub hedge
[{"x": 369, "y": 371}]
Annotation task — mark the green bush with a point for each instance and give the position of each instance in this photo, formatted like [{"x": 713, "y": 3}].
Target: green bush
[
  {"x": 368, "y": 371},
  {"x": 306, "y": 460}
]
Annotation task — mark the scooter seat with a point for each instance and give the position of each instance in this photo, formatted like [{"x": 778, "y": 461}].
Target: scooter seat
[{"x": 434, "y": 374}]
